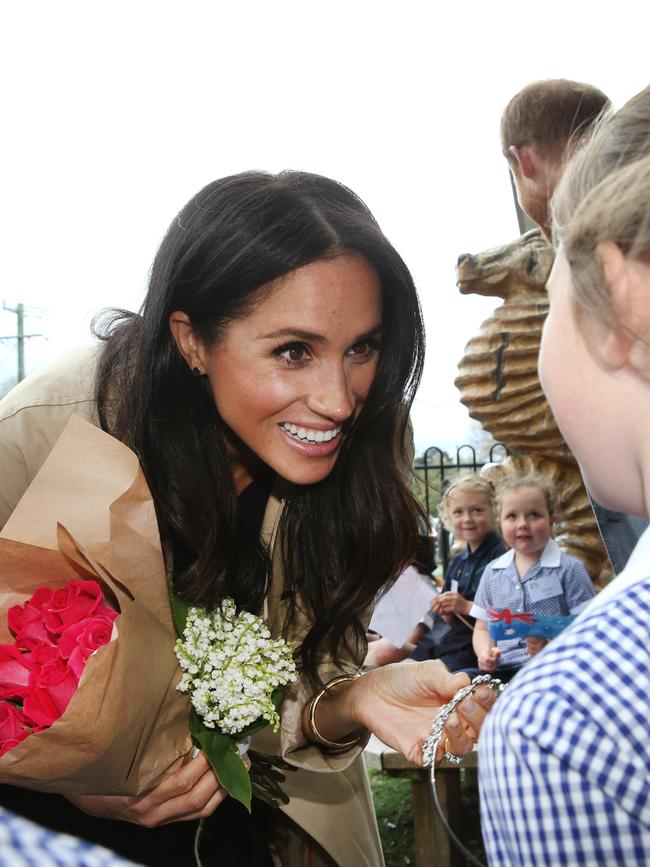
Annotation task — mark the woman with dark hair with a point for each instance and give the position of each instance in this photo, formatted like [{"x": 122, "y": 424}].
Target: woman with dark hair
[{"x": 265, "y": 387}]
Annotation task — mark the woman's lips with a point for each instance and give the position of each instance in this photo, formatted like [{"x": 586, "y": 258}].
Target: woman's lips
[
  {"x": 310, "y": 441},
  {"x": 310, "y": 434}
]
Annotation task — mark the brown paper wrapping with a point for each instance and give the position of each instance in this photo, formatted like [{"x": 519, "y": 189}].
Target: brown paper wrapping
[{"x": 88, "y": 513}]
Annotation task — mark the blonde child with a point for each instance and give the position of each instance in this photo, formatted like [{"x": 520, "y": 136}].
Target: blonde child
[
  {"x": 565, "y": 756},
  {"x": 533, "y": 577},
  {"x": 467, "y": 509}
]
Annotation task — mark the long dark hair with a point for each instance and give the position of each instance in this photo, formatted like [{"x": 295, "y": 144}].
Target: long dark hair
[{"x": 341, "y": 539}]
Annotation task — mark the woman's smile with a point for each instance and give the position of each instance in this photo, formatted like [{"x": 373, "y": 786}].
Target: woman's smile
[
  {"x": 291, "y": 376},
  {"x": 317, "y": 443}
]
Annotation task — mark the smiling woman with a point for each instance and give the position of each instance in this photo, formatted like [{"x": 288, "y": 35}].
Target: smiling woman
[
  {"x": 265, "y": 386},
  {"x": 290, "y": 378}
]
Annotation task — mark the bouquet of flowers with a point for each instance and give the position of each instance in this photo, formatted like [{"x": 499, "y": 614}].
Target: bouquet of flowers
[
  {"x": 56, "y": 632},
  {"x": 88, "y": 517},
  {"x": 115, "y": 721},
  {"x": 235, "y": 674}
]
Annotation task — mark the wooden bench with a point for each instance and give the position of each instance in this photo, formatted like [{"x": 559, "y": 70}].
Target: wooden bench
[{"x": 433, "y": 848}]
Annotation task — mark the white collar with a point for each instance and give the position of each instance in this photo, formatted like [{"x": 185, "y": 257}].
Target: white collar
[{"x": 550, "y": 556}]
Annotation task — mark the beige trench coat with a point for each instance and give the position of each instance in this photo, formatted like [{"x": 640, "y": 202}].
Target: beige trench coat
[{"x": 330, "y": 798}]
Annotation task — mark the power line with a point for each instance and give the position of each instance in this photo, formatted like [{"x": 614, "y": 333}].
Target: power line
[{"x": 20, "y": 337}]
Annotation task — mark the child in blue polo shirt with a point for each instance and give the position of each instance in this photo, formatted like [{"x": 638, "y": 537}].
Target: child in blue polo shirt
[
  {"x": 467, "y": 508},
  {"x": 533, "y": 577}
]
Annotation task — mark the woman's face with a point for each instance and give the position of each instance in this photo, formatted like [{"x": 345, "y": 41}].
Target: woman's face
[{"x": 290, "y": 377}]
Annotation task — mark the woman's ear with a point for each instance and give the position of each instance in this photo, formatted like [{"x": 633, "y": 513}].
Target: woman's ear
[{"x": 188, "y": 344}]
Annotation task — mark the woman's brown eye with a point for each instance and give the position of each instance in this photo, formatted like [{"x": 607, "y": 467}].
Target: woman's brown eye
[{"x": 293, "y": 354}]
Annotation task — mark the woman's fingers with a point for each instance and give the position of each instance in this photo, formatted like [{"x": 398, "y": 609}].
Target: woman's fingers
[
  {"x": 201, "y": 801},
  {"x": 191, "y": 792},
  {"x": 473, "y": 710},
  {"x": 182, "y": 795},
  {"x": 455, "y": 739},
  {"x": 437, "y": 680},
  {"x": 179, "y": 782}
]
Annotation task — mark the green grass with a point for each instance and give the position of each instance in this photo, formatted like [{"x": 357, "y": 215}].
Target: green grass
[{"x": 392, "y": 796}]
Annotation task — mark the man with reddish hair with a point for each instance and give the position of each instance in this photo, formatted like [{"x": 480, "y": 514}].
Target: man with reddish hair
[{"x": 540, "y": 128}]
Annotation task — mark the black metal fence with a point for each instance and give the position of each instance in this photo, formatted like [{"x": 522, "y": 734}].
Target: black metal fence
[{"x": 435, "y": 467}]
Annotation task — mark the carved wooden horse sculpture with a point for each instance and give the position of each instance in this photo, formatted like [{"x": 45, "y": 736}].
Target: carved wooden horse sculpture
[{"x": 499, "y": 385}]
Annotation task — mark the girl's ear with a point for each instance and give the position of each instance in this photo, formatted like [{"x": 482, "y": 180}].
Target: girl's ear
[
  {"x": 629, "y": 284},
  {"x": 189, "y": 346}
]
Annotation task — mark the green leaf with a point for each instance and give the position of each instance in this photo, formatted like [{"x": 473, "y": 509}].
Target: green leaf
[
  {"x": 221, "y": 752},
  {"x": 180, "y": 610}
]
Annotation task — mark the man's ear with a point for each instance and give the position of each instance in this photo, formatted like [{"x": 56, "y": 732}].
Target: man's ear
[
  {"x": 526, "y": 160},
  {"x": 189, "y": 346}
]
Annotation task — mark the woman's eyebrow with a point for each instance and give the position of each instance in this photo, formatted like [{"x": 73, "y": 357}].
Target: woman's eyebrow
[
  {"x": 296, "y": 333},
  {"x": 313, "y": 336}
]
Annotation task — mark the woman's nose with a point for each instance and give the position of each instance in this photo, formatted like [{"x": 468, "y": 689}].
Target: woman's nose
[{"x": 331, "y": 395}]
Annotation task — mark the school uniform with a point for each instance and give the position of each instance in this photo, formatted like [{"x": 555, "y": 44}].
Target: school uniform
[
  {"x": 453, "y": 644},
  {"x": 555, "y": 585},
  {"x": 565, "y": 751}
]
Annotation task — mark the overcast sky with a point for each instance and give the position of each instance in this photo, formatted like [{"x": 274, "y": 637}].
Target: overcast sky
[{"x": 115, "y": 113}]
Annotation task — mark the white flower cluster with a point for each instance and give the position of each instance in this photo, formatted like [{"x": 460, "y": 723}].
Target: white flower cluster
[{"x": 231, "y": 666}]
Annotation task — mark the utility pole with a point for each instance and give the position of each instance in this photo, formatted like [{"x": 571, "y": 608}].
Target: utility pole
[{"x": 19, "y": 337}]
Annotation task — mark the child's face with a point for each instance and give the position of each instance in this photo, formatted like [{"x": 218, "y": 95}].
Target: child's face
[
  {"x": 472, "y": 516},
  {"x": 585, "y": 398},
  {"x": 525, "y": 521}
]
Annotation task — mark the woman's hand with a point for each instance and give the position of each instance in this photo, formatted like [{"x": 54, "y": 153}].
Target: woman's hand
[
  {"x": 398, "y": 703},
  {"x": 451, "y": 603},
  {"x": 191, "y": 792}
]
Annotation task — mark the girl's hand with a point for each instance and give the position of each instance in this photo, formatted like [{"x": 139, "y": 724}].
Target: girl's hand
[
  {"x": 451, "y": 603},
  {"x": 534, "y": 644},
  {"x": 191, "y": 792},
  {"x": 398, "y": 703},
  {"x": 489, "y": 659}
]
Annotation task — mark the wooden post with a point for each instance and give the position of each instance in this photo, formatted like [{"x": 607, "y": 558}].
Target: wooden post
[{"x": 433, "y": 847}]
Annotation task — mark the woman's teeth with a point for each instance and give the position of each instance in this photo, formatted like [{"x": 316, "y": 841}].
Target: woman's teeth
[{"x": 313, "y": 436}]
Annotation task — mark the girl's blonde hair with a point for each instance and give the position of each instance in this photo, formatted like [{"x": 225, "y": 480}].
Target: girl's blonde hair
[
  {"x": 468, "y": 482},
  {"x": 604, "y": 195},
  {"x": 530, "y": 480}
]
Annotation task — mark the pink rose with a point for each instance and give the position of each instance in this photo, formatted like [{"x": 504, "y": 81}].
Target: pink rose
[
  {"x": 76, "y": 601},
  {"x": 81, "y": 640},
  {"x": 14, "y": 726},
  {"x": 14, "y": 671},
  {"x": 52, "y": 683},
  {"x": 26, "y": 621}
]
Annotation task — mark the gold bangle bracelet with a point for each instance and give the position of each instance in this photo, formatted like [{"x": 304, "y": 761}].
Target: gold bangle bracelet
[{"x": 316, "y": 735}]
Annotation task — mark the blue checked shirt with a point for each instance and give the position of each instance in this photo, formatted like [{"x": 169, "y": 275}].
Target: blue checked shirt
[
  {"x": 25, "y": 844},
  {"x": 565, "y": 754},
  {"x": 557, "y": 584}
]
